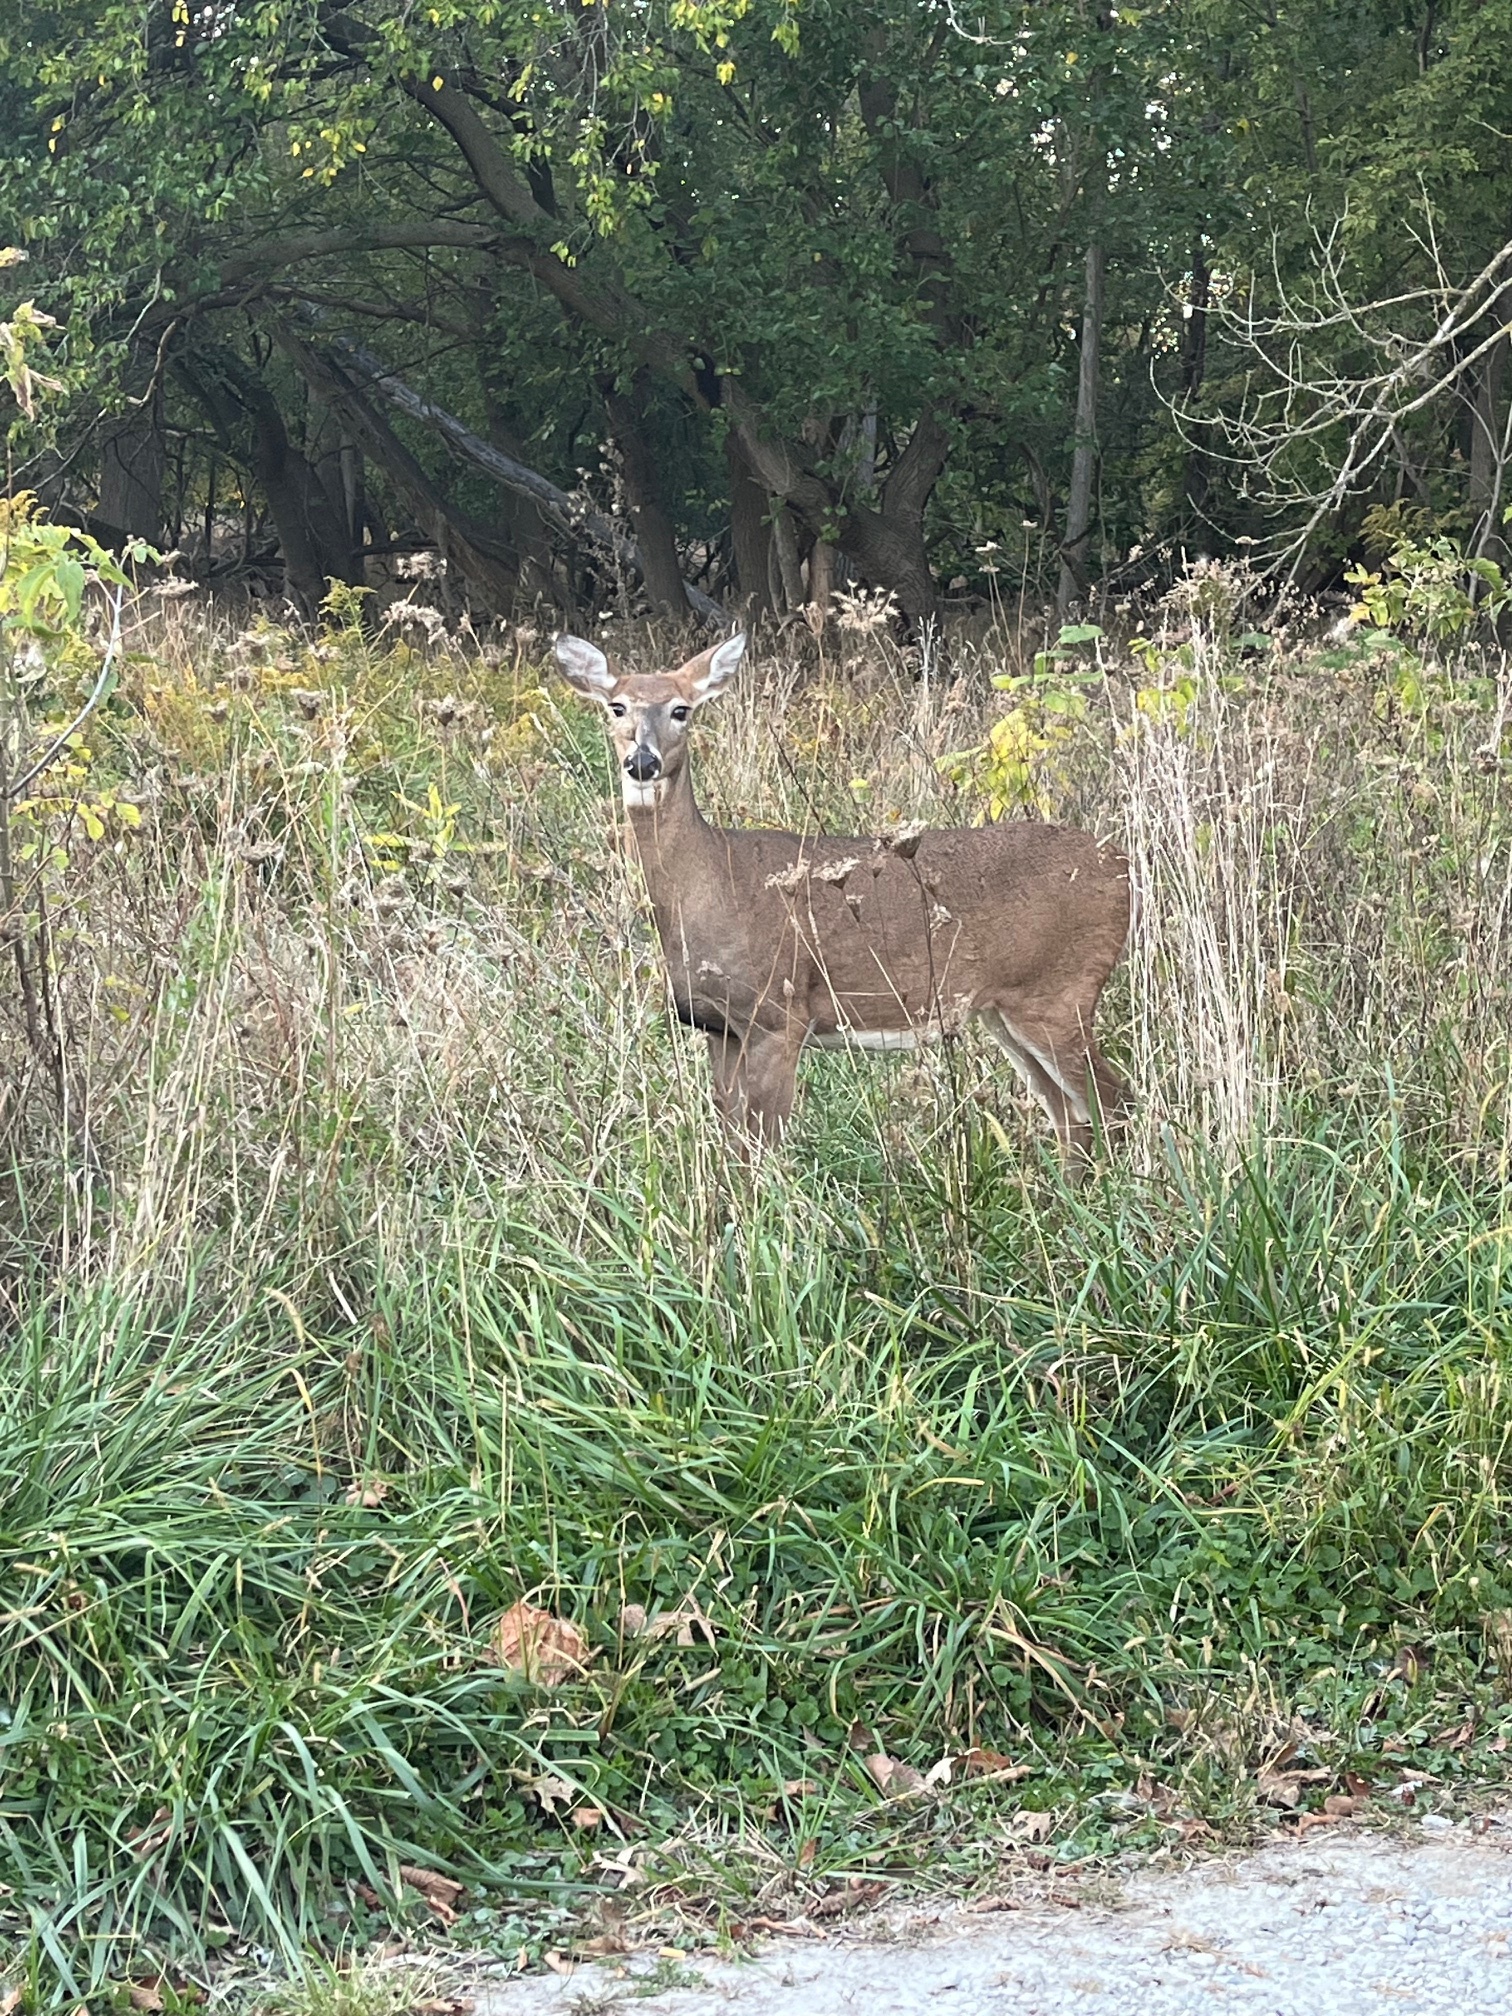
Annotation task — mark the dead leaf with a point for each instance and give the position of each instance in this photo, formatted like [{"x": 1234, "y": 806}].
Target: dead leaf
[
  {"x": 938, "y": 1774},
  {"x": 1497, "y": 1743},
  {"x": 859, "y": 1737},
  {"x": 146, "y": 1996},
  {"x": 545, "y": 1649},
  {"x": 1410, "y": 1664},
  {"x": 981, "y": 1762},
  {"x": 440, "y": 1892},
  {"x": 851, "y": 1896},
  {"x": 891, "y": 1778},
  {"x": 603, "y": 1943},
  {"x": 369, "y": 1494},
  {"x": 10, "y": 2000},
  {"x": 1284, "y": 1788},
  {"x": 559, "y": 1963},
  {"x": 586, "y": 1818},
  {"x": 1358, "y": 1787},
  {"x": 1194, "y": 1828},
  {"x": 806, "y": 1853},
  {"x": 1339, "y": 1807},
  {"x": 1305, "y": 1822},
  {"x": 632, "y": 1620},
  {"x": 549, "y": 1791},
  {"x": 1456, "y": 1737},
  {"x": 1030, "y": 1826}
]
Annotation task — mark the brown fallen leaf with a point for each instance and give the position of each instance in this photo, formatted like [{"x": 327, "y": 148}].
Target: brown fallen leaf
[
  {"x": 890, "y": 1777},
  {"x": 549, "y": 1791},
  {"x": 440, "y": 1892},
  {"x": 1194, "y": 1828},
  {"x": 1284, "y": 1788},
  {"x": 559, "y": 1963},
  {"x": 632, "y": 1620},
  {"x": 586, "y": 1818},
  {"x": 1410, "y": 1664},
  {"x": 603, "y": 1943},
  {"x": 1497, "y": 1743},
  {"x": 1031, "y": 1826},
  {"x": 1339, "y": 1807},
  {"x": 859, "y": 1737},
  {"x": 543, "y": 1648},
  {"x": 1358, "y": 1787},
  {"x": 1304, "y": 1823},
  {"x": 980, "y": 1762},
  {"x": 9, "y": 2000},
  {"x": 369, "y": 1493},
  {"x": 146, "y": 1996},
  {"x": 1455, "y": 1737},
  {"x": 851, "y": 1896}
]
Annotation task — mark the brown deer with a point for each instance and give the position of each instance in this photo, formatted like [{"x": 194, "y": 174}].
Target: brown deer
[{"x": 775, "y": 941}]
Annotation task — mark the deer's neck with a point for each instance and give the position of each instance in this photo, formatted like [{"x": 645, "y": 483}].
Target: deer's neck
[{"x": 673, "y": 841}]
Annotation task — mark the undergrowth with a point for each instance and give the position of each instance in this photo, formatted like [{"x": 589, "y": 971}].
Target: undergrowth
[{"x": 371, "y": 1263}]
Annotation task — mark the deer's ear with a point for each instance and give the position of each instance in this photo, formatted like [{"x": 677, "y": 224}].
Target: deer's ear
[
  {"x": 707, "y": 675},
  {"x": 584, "y": 667}
]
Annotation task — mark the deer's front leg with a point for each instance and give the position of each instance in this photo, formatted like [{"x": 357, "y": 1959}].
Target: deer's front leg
[{"x": 755, "y": 1080}]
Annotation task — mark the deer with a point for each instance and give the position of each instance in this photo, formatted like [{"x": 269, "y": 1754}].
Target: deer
[{"x": 779, "y": 942}]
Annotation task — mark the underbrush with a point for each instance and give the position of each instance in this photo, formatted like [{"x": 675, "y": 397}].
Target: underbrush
[{"x": 372, "y": 1264}]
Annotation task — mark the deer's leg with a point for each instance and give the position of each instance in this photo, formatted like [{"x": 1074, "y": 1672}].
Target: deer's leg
[
  {"x": 755, "y": 1080},
  {"x": 1051, "y": 1096},
  {"x": 1058, "y": 1054}
]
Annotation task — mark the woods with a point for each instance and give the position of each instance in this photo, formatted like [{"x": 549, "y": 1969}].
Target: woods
[{"x": 699, "y": 305}]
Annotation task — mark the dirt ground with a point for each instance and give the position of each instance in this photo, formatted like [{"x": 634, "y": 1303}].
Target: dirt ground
[{"x": 1339, "y": 1923}]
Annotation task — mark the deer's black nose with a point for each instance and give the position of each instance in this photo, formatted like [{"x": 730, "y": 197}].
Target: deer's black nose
[{"x": 642, "y": 764}]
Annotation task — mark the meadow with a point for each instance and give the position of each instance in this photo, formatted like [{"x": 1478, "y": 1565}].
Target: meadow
[{"x": 371, "y": 1263}]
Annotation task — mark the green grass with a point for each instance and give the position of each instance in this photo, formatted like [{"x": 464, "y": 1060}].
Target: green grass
[{"x": 421, "y": 1205}]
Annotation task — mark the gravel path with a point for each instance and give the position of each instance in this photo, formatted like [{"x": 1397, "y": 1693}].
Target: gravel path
[{"x": 1346, "y": 1924}]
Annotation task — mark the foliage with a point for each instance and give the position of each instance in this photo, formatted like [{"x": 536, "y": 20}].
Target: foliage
[
  {"x": 822, "y": 227},
  {"x": 1432, "y": 589}
]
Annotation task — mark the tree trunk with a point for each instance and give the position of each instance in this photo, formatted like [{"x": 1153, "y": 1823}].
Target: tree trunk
[
  {"x": 821, "y": 577},
  {"x": 1075, "y": 576},
  {"x": 133, "y": 459},
  {"x": 662, "y": 570},
  {"x": 1196, "y": 479},
  {"x": 485, "y": 564},
  {"x": 1489, "y": 441},
  {"x": 785, "y": 553},
  {"x": 750, "y": 533},
  {"x": 311, "y": 536}
]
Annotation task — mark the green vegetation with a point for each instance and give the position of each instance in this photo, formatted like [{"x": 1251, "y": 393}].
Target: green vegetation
[
  {"x": 1041, "y": 299},
  {"x": 371, "y": 1263}
]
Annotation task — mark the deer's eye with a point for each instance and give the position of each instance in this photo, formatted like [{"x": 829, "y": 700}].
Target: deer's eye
[
  {"x": 617, "y": 709},
  {"x": 681, "y": 713}
]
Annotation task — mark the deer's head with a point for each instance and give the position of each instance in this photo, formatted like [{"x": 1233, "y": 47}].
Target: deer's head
[{"x": 648, "y": 712}]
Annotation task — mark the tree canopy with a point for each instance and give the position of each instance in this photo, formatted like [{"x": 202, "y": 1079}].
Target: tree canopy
[{"x": 740, "y": 297}]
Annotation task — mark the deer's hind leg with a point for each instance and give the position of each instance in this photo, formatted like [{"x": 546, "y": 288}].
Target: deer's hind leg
[
  {"x": 1066, "y": 1071},
  {"x": 1071, "y": 1128}
]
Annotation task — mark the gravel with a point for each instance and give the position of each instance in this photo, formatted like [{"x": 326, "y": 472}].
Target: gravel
[{"x": 1354, "y": 1923}]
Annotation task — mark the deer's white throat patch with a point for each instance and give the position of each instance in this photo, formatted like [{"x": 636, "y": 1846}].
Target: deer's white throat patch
[{"x": 642, "y": 797}]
